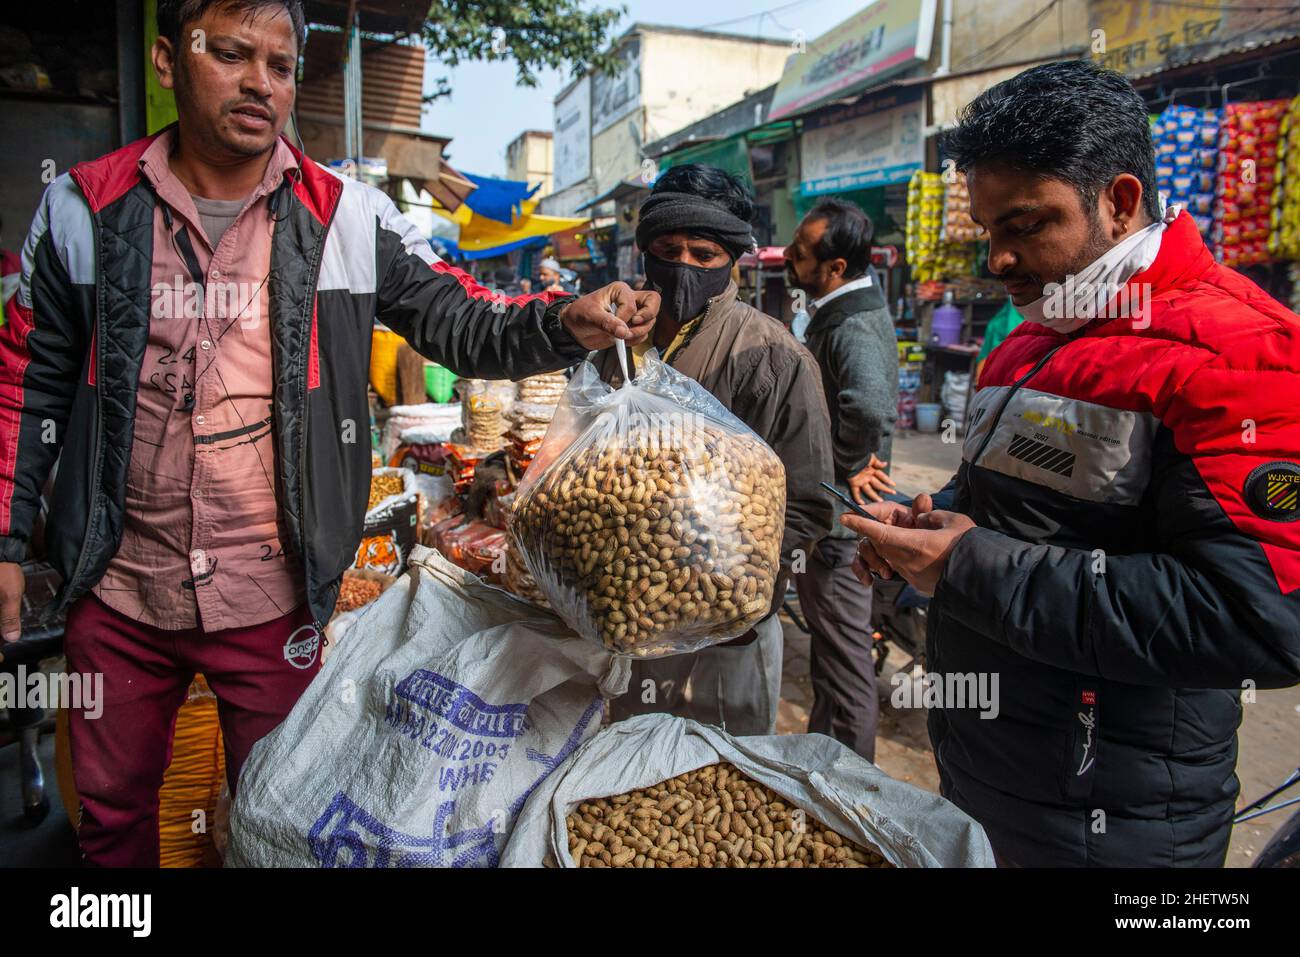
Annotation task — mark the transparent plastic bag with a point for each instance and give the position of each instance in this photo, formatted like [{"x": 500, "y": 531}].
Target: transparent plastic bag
[{"x": 651, "y": 517}]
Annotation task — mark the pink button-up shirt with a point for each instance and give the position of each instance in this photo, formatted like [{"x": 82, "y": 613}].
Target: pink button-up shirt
[{"x": 203, "y": 543}]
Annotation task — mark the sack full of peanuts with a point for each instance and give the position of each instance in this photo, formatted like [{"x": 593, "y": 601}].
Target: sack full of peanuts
[
  {"x": 661, "y": 791},
  {"x": 651, "y": 517}
]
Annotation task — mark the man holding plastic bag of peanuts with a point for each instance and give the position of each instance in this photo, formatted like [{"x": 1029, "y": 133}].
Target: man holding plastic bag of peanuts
[{"x": 692, "y": 229}]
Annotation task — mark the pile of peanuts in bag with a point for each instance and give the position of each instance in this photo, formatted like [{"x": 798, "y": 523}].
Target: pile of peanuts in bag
[
  {"x": 714, "y": 816},
  {"x": 656, "y": 528}
]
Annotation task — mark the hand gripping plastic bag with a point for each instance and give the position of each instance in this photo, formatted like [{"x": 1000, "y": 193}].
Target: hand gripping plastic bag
[
  {"x": 832, "y": 785},
  {"x": 651, "y": 517}
]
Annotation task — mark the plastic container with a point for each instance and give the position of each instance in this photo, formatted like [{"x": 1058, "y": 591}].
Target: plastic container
[
  {"x": 439, "y": 382},
  {"x": 945, "y": 324},
  {"x": 384, "y": 344},
  {"x": 927, "y": 416}
]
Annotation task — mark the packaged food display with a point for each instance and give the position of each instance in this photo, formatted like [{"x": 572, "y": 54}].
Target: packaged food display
[
  {"x": 485, "y": 404},
  {"x": 360, "y": 588},
  {"x": 1284, "y": 239},
  {"x": 519, "y": 581},
  {"x": 391, "y": 527},
  {"x": 958, "y": 227},
  {"x": 929, "y": 254},
  {"x": 472, "y": 545},
  {"x": 461, "y": 463},
  {"x": 1186, "y": 145},
  {"x": 1248, "y": 152},
  {"x": 529, "y": 422},
  {"x": 924, "y": 223},
  {"x": 544, "y": 389}
]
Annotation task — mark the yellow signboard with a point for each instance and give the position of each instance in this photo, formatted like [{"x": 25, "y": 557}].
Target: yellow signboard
[{"x": 1138, "y": 37}]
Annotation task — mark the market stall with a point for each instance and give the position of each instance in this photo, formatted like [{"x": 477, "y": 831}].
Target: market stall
[
  {"x": 1232, "y": 162},
  {"x": 458, "y": 720}
]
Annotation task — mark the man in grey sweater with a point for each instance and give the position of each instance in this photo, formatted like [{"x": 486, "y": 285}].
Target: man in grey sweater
[{"x": 851, "y": 335}]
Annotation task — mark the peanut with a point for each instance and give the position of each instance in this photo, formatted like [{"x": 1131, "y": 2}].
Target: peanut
[{"x": 681, "y": 822}]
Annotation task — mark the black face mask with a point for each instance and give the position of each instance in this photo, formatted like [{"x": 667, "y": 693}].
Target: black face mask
[{"x": 685, "y": 289}]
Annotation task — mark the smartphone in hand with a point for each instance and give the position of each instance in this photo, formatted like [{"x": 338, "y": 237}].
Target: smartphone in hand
[{"x": 858, "y": 509}]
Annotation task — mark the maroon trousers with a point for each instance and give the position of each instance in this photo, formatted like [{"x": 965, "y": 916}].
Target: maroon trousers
[{"x": 118, "y": 759}]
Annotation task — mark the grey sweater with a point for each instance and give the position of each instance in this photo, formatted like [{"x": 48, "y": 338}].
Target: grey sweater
[{"x": 852, "y": 338}]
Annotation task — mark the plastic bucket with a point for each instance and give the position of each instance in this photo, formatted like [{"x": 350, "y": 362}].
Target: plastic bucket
[
  {"x": 438, "y": 382},
  {"x": 945, "y": 326},
  {"x": 927, "y": 416}
]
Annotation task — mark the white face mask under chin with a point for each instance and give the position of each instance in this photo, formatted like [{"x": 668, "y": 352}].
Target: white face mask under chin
[{"x": 1071, "y": 305}]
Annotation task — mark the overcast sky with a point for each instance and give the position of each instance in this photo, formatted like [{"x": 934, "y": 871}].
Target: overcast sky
[{"x": 486, "y": 110}]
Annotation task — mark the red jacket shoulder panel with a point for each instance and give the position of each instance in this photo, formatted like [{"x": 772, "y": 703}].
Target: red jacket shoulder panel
[
  {"x": 108, "y": 178},
  {"x": 316, "y": 187}
]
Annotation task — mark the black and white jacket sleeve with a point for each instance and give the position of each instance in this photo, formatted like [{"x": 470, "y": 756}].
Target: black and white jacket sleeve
[{"x": 448, "y": 317}]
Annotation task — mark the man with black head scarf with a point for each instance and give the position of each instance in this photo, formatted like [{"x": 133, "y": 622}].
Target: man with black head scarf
[{"x": 692, "y": 229}]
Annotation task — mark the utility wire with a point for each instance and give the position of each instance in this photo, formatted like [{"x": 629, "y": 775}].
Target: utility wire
[
  {"x": 1223, "y": 7},
  {"x": 1000, "y": 44},
  {"x": 750, "y": 16}
]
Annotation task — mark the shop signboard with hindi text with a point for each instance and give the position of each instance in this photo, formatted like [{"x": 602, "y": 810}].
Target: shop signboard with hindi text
[
  {"x": 1139, "y": 37},
  {"x": 871, "y": 143},
  {"x": 882, "y": 40}
]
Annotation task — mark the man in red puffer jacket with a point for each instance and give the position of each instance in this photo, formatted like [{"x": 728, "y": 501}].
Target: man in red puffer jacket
[{"x": 1118, "y": 557}]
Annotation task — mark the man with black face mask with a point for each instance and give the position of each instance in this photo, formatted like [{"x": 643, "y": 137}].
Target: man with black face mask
[{"x": 692, "y": 229}]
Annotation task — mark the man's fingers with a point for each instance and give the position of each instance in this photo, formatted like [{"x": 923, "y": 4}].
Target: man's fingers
[
  {"x": 878, "y": 534},
  {"x": 647, "y": 306},
  {"x": 871, "y": 494},
  {"x": 893, "y": 544},
  {"x": 12, "y": 586},
  {"x": 611, "y": 324},
  {"x": 857, "y": 494},
  {"x": 871, "y": 561},
  {"x": 885, "y": 482},
  {"x": 623, "y": 299},
  {"x": 855, "y": 523},
  {"x": 935, "y": 519},
  {"x": 922, "y": 504},
  {"x": 643, "y": 320},
  {"x": 863, "y": 573}
]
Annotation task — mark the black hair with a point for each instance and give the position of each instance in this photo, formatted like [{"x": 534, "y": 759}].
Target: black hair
[
  {"x": 708, "y": 182},
  {"x": 174, "y": 14},
  {"x": 1069, "y": 120},
  {"x": 847, "y": 236},
  {"x": 504, "y": 275}
]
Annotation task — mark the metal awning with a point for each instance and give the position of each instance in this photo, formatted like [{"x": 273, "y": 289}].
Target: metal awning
[
  {"x": 623, "y": 190},
  {"x": 402, "y": 17}
]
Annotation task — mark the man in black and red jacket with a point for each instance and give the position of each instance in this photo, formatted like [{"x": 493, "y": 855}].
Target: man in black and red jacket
[
  {"x": 1121, "y": 545},
  {"x": 191, "y": 335}
]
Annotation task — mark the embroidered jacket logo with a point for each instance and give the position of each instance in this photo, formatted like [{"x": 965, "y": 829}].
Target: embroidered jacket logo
[{"x": 1089, "y": 721}]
